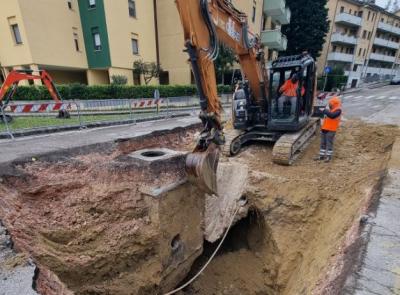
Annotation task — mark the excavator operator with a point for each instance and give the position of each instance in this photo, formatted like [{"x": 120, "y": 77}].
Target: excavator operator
[{"x": 289, "y": 93}]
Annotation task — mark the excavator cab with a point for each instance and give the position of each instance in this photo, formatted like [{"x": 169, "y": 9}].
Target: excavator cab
[{"x": 291, "y": 113}]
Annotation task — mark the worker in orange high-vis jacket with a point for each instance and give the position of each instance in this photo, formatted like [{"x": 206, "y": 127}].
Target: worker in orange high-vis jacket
[
  {"x": 289, "y": 93},
  {"x": 329, "y": 126}
]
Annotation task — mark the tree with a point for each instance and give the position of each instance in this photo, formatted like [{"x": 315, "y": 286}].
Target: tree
[
  {"x": 308, "y": 27},
  {"x": 224, "y": 62},
  {"x": 149, "y": 70}
]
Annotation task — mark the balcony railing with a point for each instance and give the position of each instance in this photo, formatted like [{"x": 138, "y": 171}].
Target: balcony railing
[
  {"x": 386, "y": 43},
  {"x": 274, "y": 39},
  {"x": 338, "y": 56},
  {"x": 349, "y": 19},
  {"x": 277, "y": 10},
  {"x": 379, "y": 71},
  {"x": 382, "y": 57},
  {"x": 389, "y": 28},
  {"x": 345, "y": 39}
]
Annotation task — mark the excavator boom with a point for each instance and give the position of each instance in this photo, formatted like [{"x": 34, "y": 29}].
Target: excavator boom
[{"x": 206, "y": 24}]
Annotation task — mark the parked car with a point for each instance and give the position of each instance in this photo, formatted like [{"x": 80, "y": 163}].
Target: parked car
[{"x": 395, "y": 81}]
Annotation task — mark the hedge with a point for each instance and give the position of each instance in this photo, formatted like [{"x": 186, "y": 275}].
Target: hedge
[{"x": 83, "y": 92}]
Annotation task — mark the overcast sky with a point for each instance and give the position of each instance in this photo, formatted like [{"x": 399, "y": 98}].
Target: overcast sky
[{"x": 381, "y": 2}]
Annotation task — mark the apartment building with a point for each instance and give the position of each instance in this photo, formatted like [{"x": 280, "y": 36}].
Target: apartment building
[
  {"x": 264, "y": 18},
  {"x": 85, "y": 41},
  {"x": 89, "y": 41},
  {"x": 364, "y": 40}
]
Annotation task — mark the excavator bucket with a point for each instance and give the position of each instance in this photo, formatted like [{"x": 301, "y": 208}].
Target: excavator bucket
[{"x": 202, "y": 168}]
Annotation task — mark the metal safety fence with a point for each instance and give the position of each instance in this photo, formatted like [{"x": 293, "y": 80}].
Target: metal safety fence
[{"x": 32, "y": 118}]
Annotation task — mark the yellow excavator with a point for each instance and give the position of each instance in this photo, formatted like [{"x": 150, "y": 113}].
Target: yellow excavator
[{"x": 257, "y": 112}]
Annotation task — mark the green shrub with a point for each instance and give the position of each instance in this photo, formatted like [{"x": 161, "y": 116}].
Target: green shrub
[
  {"x": 83, "y": 92},
  {"x": 119, "y": 80}
]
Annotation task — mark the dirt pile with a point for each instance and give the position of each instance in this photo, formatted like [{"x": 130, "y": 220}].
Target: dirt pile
[{"x": 307, "y": 210}]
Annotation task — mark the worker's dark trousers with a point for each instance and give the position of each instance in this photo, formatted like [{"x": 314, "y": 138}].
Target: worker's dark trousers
[{"x": 327, "y": 139}]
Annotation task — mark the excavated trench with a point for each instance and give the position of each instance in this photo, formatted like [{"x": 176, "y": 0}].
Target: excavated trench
[{"x": 122, "y": 218}]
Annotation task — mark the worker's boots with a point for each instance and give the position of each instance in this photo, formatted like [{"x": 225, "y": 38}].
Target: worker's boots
[{"x": 328, "y": 159}]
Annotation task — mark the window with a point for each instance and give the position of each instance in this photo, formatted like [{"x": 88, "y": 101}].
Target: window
[
  {"x": 132, "y": 8},
  {"x": 92, "y": 4},
  {"x": 334, "y": 48},
  {"x": 342, "y": 9},
  {"x": 369, "y": 35},
  {"x": 69, "y": 2},
  {"x": 253, "y": 17},
  {"x": 135, "y": 46},
  {"x": 365, "y": 51},
  {"x": 355, "y": 68},
  {"x": 96, "y": 39},
  {"x": 369, "y": 14},
  {"x": 360, "y": 14},
  {"x": 76, "y": 41},
  {"x": 16, "y": 33},
  {"x": 350, "y": 11},
  {"x": 364, "y": 35},
  {"x": 359, "y": 52},
  {"x": 373, "y": 16}
]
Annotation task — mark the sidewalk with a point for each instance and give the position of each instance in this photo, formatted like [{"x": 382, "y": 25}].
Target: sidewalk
[{"x": 28, "y": 147}]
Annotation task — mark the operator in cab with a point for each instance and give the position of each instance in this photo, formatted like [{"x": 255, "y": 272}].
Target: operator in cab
[
  {"x": 329, "y": 127},
  {"x": 288, "y": 93}
]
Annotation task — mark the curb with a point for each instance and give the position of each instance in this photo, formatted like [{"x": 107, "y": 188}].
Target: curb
[{"x": 49, "y": 130}]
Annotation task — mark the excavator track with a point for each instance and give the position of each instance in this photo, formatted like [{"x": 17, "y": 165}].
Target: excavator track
[
  {"x": 232, "y": 144},
  {"x": 290, "y": 146}
]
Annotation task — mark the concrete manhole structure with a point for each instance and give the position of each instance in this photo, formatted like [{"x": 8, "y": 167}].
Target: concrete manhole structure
[{"x": 122, "y": 218}]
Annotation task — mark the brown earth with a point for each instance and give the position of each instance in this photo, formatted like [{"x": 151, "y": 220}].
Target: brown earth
[
  {"x": 83, "y": 218},
  {"x": 307, "y": 210}
]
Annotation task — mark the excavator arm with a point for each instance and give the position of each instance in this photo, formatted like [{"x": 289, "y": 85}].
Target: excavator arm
[
  {"x": 206, "y": 24},
  {"x": 14, "y": 77}
]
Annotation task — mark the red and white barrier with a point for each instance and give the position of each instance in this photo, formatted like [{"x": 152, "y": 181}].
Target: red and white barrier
[
  {"x": 38, "y": 108},
  {"x": 146, "y": 103}
]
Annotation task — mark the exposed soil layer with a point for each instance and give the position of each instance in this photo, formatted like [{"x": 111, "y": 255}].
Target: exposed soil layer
[
  {"x": 307, "y": 211},
  {"x": 84, "y": 219}
]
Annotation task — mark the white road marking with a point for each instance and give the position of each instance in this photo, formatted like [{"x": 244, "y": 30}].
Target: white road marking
[
  {"x": 358, "y": 96},
  {"x": 393, "y": 97},
  {"x": 381, "y": 97},
  {"x": 371, "y": 96},
  {"x": 348, "y": 96}
]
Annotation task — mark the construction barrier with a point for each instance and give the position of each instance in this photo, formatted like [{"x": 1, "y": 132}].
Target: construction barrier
[{"x": 91, "y": 113}]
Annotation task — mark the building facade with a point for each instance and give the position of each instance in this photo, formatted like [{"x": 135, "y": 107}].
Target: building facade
[
  {"x": 265, "y": 18},
  {"x": 363, "y": 40},
  {"x": 84, "y": 41},
  {"x": 89, "y": 41}
]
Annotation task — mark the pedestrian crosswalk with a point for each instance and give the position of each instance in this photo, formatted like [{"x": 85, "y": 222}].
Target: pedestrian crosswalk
[{"x": 371, "y": 97}]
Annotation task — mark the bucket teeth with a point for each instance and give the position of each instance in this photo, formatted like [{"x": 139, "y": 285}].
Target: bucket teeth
[{"x": 202, "y": 168}]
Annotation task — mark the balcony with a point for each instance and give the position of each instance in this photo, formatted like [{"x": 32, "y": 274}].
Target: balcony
[
  {"x": 388, "y": 28},
  {"x": 382, "y": 57},
  {"x": 274, "y": 39},
  {"x": 386, "y": 43},
  {"x": 348, "y": 19},
  {"x": 342, "y": 57},
  {"x": 379, "y": 71},
  {"x": 343, "y": 39},
  {"x": 277, "y": 10}
]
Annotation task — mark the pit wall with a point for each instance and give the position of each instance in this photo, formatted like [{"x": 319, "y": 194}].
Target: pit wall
[{"x": 98, "y": 221}]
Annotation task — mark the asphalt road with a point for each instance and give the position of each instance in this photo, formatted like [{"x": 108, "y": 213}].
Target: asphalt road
[{"x": 380, "y": 105}]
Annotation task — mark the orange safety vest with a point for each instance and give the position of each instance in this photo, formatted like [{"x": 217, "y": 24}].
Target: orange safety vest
[
  {"x": 332, "y": 124},
  {"x": 290, "y": 89}
]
